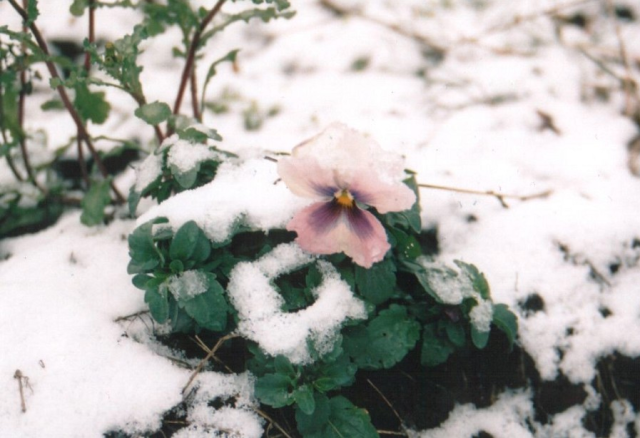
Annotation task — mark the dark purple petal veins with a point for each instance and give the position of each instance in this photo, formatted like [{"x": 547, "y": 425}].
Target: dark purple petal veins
[
  {"x": 324, "y": 191},
  {"x": 360, "y": 196},
  {"x": 326, "y": 216},
  {"x": 359, "y": 223}
]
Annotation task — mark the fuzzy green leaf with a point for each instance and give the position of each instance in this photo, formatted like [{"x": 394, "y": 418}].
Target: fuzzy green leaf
[
  {"x": 384, "y": 341},
  {"x": 91, "y": 105},
  {"x": 478, "y": 280},
  {"x": 377, "y": 283},
  {"x": 209, "y": 309},
  {"x": 435, "y": 349},
  {"x": 506, "y": 321},
  {"x": 144, "y": 254},
  {"x": 303, "y": 396},
  {"x": 479, "y": 338},
  {"x": 94, "y": 203},
  {"x": 32, "y": 11},
  {"x": 158, "y": 302},
  {"x": 456, "y": 334},
  {"x": 153, "y": 113},
  {"x": 78, "y": 6},
  {"x": 335, "y": 418},
  {"x": 274, "y": 390},
  {"x": 185, "y": 241}
]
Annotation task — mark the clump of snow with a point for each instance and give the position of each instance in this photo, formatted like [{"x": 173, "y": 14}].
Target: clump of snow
[
  {"x": 453, "y": 287},
  {"x": 188, "y": 284},
  {"x": 248, "y": 192},
  {"x": 148, "y": 171},
  {"x": 505, "y": 418},
  {"x": 277, "y": 332},
  {"x": 184, "y": 155},
  {"x": 237, "y": 418}
]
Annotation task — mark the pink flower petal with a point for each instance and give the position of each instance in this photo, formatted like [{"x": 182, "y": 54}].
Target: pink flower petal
[
  {"x": 326, "y": 228},
  {"x": 369, "y": 189},
  {"x": 305, "y": 177}
]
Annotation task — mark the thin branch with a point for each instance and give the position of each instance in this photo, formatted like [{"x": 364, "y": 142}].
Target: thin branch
[
  {"x": 12, "y": 166},
  {"x": 209, "y": 355},
  {"x": 628, "y": 83},
  {"x": 499, "y": 196},
  {"x": 272, "y": 421},
  {"x": 87, "y": 67},
  {"x": 421, "y": 39},
  {"x": 20, "y": 377},
  {"x": 390, "y": 407},
  {"x": 21, "y": 100},
  {"x": 66, "y": 101},
  {"x": 194, "y": 96},
  {"x": 191, "y": 54}
]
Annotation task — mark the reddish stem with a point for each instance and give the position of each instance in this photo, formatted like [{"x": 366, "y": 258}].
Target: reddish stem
[
  {"x": 82, "y": 131},
  {"x": 191, "y": 54}
]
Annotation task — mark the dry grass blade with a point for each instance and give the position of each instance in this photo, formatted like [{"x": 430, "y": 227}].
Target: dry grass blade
[
  {"x": 209, "y": 355},
  {"x": 388, "y": 403},
  {"x": 272, "y": 421},
  {"x": 499, "y": 196}
]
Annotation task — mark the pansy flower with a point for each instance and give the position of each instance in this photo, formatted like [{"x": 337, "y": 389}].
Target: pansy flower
[{"x": 345, "y": 172}]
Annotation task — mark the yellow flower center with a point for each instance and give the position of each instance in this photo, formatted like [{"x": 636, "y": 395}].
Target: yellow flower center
[{"x": 344, "y": 198}]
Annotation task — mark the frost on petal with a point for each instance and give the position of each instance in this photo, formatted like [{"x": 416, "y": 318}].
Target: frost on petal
[
  {"x": 349, "y": 152},
  {"x": 305, "y": 177},
  {"x": 326, "y": 228},
  {"x": 368, "y": 189}
]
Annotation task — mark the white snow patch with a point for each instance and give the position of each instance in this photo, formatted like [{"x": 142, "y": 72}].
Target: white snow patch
[
  {"x": 247, "y": 193},
  {"x": 148, "y": 171},
  {"x": 277, "y": 332},
  {"x": 188, "y": 284}
]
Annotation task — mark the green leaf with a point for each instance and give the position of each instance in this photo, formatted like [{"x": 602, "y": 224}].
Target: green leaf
[
  {"x": 91, "y": 106},
  {"x": 94, "y": 203},
  {"x": 343, "y": 420},
  {"x": 185, "y": 179},
  {"x": 478, "y": 280},
  {"x": 408, "y": 219},
  {"x": 506, "y": 321},
  {"x": 456, "y": 334},
  {"x": 313, "y": 423},
  {"x": 435, "y": 349},
  {"x": 158, "y": 302},
  {"x": 274, "y": 390},
  {"x": 144, "y": 254},
  {"x": 479, "y": 339},
  {"x": 78, "y": 6},
  {"x": 384, "y": 341},
  {"x": 194, "y": 135},
  {"x": 283, "y": 366},
  {"x": 153, "y": 113},
  {"x": 52, "y": 105},
  {"x": 140, "y": 280},
  {"x": 335, "y": 374},
  {"x": 32, "y": 11},
  {"x": 209, "y": 309},
  {"x": 377, "y": 283},
  {"x": 229, "y": 57},
  {"x": 303, "y": 396},
  {"x": 185, "y": 241}
]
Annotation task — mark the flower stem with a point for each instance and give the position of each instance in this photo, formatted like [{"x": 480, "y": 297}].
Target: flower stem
[
  {"x": 82, "y": 131},
  {"x": 191, "y": 54}
]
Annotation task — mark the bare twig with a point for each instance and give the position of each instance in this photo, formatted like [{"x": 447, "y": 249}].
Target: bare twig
[
  {"x": 12, "y": 166},
  {"x": 194, "y": 96},
  {"x": 392, "y": 410},
  {"x": 21, "y": 100},
  {"x": 132, "y": 316},
  {"x": 66, "y": 101},
  {"x": 628, "y": 83},
  {"x": 209, "y": 355},
  {"x": 421, "y": 39},
  {"x": 272, "y": 421},
  {"x": 499, "y": 196},
  {"x": 191, "y": 54},
  {"x": 22, "y": 380}
]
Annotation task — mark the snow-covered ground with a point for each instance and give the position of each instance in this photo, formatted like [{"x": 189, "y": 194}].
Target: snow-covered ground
[{"x": 517, "y": 106}]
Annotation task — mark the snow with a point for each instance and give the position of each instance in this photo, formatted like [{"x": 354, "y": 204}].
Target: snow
[
  {"x": 282, "y": 333},
  {"x": 470, "y": 119},
  {"x": 188, "y": 284}
]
